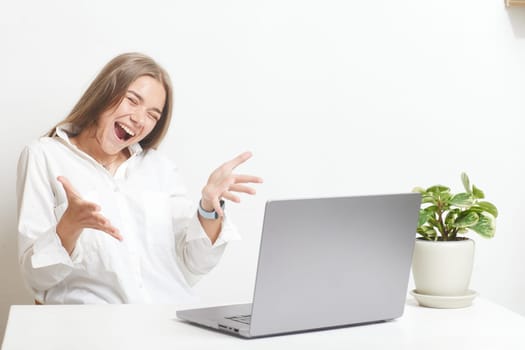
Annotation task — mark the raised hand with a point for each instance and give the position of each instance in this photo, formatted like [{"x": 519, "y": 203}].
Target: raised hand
[
  {"x": 80, "y": 214},
  {"x": 222, "y": 183}
]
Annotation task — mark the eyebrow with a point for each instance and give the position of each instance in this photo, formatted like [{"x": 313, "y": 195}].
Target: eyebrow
[{"x": 141, "y": 99}]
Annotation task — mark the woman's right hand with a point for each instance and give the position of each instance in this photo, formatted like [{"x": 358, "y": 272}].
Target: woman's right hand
[{"x": 80, "y": 214}]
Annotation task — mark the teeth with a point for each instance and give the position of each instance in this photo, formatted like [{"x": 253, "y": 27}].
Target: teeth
[{"x": 126, "y": 129}]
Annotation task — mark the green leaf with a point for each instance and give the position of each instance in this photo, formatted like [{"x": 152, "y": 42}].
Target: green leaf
[
  {"x": 438, "y": 189},
  {"x": 431, "y": 210},
  {"x": 430, "y": 231},
  {"x": 418, "y": 189},
  {"x": 427, "y": 232},
  {"x": 424, "y": 215},
  {"x": 432, "y": 221},
  {"x": 428, "y": 199},
  {"x": 478, "y": 194},
  {"x": 451, "y": 217},
  {"x": 466, "y": 182},
  {"x": 462, "y": 200},
  {"x": 427, "y": 214},
  {"x": 486, "y": 226},
  {"x": 489, "y": 208},
  {"x": 466, "y": 219},
  {"x": 444, "y": 197}
]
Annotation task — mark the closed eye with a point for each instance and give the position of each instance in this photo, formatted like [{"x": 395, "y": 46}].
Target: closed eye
[
  {"x": 154, "y": 116},
  {"x": 132, "y": 100},
  {"x": 135, "y": 99}
]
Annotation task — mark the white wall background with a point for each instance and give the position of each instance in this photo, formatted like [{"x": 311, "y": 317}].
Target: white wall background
[{"x": 333, "y": 98}]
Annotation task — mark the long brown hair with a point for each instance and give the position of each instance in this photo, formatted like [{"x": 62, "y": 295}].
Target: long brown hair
[{"x": 109, "y": 88}]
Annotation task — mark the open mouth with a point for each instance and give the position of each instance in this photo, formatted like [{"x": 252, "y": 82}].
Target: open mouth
[{"x": 123, "y": 133}]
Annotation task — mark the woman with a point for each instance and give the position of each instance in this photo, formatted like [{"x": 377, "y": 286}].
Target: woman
[{"x": 102, "y": 216}]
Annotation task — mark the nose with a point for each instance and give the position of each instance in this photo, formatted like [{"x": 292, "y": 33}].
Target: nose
[{"x": 137, "y": 117}]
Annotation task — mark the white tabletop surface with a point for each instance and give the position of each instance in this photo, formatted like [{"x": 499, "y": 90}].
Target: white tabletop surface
[{"x": 484, "y": 325}]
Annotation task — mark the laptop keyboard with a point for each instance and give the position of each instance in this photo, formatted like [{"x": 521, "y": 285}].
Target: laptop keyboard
[{"x": 246, "y": 319}]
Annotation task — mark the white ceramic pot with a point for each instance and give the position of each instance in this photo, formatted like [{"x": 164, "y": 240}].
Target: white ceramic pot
[{"x": 443, "y": 268}]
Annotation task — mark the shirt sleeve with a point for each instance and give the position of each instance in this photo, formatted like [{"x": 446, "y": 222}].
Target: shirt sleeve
[
  {"x": 196, "y": 254},
  {"x": 195, "y": 250},
  {"x": 43, "y": 260}
]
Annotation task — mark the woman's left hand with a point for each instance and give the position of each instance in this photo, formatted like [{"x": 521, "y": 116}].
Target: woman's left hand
[{"x": 222, "y": 183}]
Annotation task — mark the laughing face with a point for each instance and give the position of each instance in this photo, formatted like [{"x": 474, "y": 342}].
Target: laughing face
[{"x": 133, "y": 118}]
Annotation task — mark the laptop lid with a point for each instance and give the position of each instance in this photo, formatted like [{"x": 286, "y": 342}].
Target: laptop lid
[{"x": 330, "y": 262}]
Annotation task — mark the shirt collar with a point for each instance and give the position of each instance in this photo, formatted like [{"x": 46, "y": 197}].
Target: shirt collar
[{"x": 64, "y": 131}]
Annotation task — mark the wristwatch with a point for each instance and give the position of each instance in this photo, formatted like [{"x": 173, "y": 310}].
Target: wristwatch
[{"x": 210, "y": 215}]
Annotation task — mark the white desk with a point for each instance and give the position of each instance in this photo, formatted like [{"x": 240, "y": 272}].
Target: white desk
[{"x": 484, "y": 325}]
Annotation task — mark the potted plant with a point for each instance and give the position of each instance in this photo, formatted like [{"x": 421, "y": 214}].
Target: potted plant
[{"x": 443, "y": 256}]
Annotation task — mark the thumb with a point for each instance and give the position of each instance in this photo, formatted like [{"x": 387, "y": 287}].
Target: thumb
[{"x": 71, "y": 193}]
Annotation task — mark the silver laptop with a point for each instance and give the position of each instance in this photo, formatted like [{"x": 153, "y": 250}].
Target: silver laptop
[{"x": 325, "y": 263}]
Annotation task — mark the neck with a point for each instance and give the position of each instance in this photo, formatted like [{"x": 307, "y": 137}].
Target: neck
[{"x": 87, "y": 142}]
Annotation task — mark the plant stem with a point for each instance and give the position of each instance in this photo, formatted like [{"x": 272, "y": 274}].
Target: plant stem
[
  {"x": 454, "y": 233},
  {"x": 443, "y": 228}
]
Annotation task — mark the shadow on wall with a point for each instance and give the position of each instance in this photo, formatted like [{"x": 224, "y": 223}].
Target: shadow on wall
[
  {"x": 517, "y": 21},
  {"x": 12, "y": 290}
]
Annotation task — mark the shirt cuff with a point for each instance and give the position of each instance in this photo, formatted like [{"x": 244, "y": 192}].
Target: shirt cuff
[
  {"x": 48, "y": 251},
  {"x": 228, "y": 231}
]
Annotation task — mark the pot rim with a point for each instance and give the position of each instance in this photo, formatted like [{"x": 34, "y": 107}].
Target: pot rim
[{"x": 466, "y": 240}]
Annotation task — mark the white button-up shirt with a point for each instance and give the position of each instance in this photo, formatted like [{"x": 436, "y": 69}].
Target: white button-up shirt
[{"x": 164, "y": 249}]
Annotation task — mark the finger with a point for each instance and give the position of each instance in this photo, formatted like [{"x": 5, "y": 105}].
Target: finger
[
  {"x": 247, "y": 178},
  {"x": 241, "y": 158},
  {"x": 114, "y": 232},
  {"x": 103, "y": 224},
  {"x": 71, "y": 193},
  {"x": 91, "y": 207},
  {"x": 242, "y": 188},
  {"x": 99, "y": 220},
  {"x": 230, "y": 196}
]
